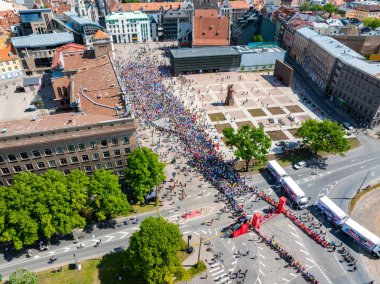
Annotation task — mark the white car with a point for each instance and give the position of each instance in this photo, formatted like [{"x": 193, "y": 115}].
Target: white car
[
  {"x": 347, "y": 126},
  {"x": 300, "y": 165}
]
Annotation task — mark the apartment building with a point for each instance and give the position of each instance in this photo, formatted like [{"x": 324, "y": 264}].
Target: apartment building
[
  {"x": 10, "y": 66},
  {"x": 367, "y": 11},
  {"x": 129, "y": 27},
  {"x": 36, "y": 21},
  {"x": 65, "y": 142}
]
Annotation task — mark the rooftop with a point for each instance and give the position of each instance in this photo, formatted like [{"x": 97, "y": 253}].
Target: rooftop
[
  {"x": 370, "y": 8},
  {"x": 28, "y": 81},
  {"x": 8, "y": 53},
  {"x": 210, "y": 29},
  {"x": 67, "y": 47},
  {"x": 203, "y": 51},
  {"x": 135, "y": 15},
  {"x": 99, "y": 34},
  {"x": 371, "y": 68},
  {"x": 334, "y": 47},
  {"x": 41, "y": 40},
  {"x": 307, "y": 32},
  {"x": 149, "y": 7},
  {"x": 32, "y": 11},
  {"x": 60, "y": 126}
]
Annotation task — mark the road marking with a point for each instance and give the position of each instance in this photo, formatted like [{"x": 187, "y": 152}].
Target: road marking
[
  {"x": 324, "y": 274},
  {"x": 187, "y": 232},
  {"x": 295, "y": 235},
  {"x": 310, "y": 184},
  {"x": 233, "y": 247},
  {"x": 214, "y": 265},
  {"x": 234, "y": 262},
  {"x": 228, "y": 241},
  {"x": 262, "y": 263},
  {"x": 308, "y": 266},
  {"x": 300, "y": 243},
  {"x": 196, "y": 233},
  {"x": 216, "y": 273},
  {"x": 293, "y": 274},
  {"x": 204, "y": 231},
  {"x": 305, "y": 252},
  {"x": 260, "y": 248},
  {"x": 312, "y": 261},
  {"x": 260, "y": 271},
  {"x": 292, "y": 227},
  {"x": 287, "y": 280},
  {"x": 212, "y": 270},
  {"x": 209, "y": 231},
  {"x": 224, "y": 279},
  {"x": 261, "y": 255},
  {"x": 36, "y": 257},
  {"x": 231, "y": 269}
]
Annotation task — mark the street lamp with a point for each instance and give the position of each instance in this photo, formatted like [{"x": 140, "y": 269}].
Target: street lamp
[{"x": 189, "y": 249}]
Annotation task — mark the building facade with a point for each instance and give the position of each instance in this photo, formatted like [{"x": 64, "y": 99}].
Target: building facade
[
  {"x": 367, "y": 11},
  {"x": 75, "y": 143},
  {"x": 171, "y": 22},
  {"x": 128, "y": 27},
  {"x": 10, "y": 66},
  {"x": 36, "y": 21}
]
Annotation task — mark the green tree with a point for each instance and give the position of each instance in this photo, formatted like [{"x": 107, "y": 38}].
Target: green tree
[
  {"x": 152, "y": 252},
  {"x": 251, "y": 143},
  {"x": 242, "y": 68},
  {"x": 373, "y": 23},
  {"x": 324, "y": 136},
  {"x": 105, "y": 195},
  {"x": 144, "y": 171},
  {"x": 22, "y": 276},
  {"x": 257, "y": 38},
  {"x": 305, "y": 7},
  {"x": 330, "y": 8},
  {"x": 316, "y": 7}
]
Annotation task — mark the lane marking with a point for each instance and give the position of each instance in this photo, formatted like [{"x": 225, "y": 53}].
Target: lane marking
[
  {"x": 212, "y": 270},
  {"x": 261, "y": 255},
  {"x": 261, "y": 263},
  {"x": 295, "y": 235},
  {"x": 300, "y": 244},
  {"x": 305, "y": 252},
  {"x": 312, "y": 261}
]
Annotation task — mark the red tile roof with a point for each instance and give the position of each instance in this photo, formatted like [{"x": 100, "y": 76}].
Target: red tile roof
[
  {"x": 61, "y": 8},
  {"x": 8, "y": 53},
  {"x": 70, "y": 47},
  {"x": 239, "y": 5},
  {"x": 210, "y": 29},
  {"x": 8, "y": 18},
  {"x": 100, "y": 35}
]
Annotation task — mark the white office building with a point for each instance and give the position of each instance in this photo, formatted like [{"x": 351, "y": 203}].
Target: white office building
[{"x": 128, "y": 27}]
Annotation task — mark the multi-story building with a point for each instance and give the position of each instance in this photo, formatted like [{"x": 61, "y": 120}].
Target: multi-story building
[
  {"x": 300, "y": 42},
  {"x": 171, "y": 23},
  {"x": 36, "y": 21},
  {"x": 356, "y": 88},
  {"x": 10, "y": 66},
  {"x": 367, "y": 11},
  {"x": 128, "y": 27},
  {"x": 9, "y": 19},
  {"x": 65, "y": 142},
  {"x": 36, "y": 51}
]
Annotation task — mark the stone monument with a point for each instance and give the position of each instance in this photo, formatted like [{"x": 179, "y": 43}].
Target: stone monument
[{"x": 230, "y": 95}]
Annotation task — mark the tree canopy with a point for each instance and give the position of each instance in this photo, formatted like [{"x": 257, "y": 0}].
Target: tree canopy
[
  {"x": 144, "y": 171},
  {"x": 373, "y": 23},
  {"x": 329, "y": 8},
  {"x": 42, "y": 206},
  {"x": 258, "y": 38},
  {"x": 251, "y": 143},
  {"x": 152, "y": 252},
  {"x": 324, "y": 136},
  {"x": 22, "y": 276}
]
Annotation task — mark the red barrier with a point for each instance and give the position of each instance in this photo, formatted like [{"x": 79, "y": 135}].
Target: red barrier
[
  {"x": 281, "y": 205},
  {"x": 256, "y": 220}
]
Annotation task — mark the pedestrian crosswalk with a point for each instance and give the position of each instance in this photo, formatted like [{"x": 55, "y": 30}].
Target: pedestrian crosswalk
[{"x": 219, "y": 273}]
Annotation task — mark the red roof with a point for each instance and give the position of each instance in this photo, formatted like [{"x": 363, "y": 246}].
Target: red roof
[
  {"x": 8, "y": 18},
  {"x": 67, "y": 48},
  {"x": 100, "y": 35},
  {"x": 210, "y": 29}
]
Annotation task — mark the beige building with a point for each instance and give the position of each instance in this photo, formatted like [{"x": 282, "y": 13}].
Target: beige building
[
  {"x": 367, "y": 11},
  {"x": 10, "y": 66}
]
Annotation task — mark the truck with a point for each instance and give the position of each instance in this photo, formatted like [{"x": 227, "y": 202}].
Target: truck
[
  {"x": 276, "y": 170},
  {"x": 366, "y": 239},
  {"x": 295, "y": 193},
  {"x": 333, "y": 212}
]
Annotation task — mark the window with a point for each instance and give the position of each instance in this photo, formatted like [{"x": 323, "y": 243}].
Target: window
[
  {"x": 120, "y": 173},
  {"x": 71, "y": 148},
  {"x": 9, "y": 181},
  {"x": 119, "y": 163},
  {"x": 108, "y": 165},
  {"x": 5, "y": 171},
  {"x": 29, "y": 167},
  {"x": 88, "y": 169},
  {"x": 92, "y": 145},
  {"x": 24, "y": 156},
  {"x": 106, "y": 154},
  {"x": 125, "y": 140},
  {"x": 65, "y": 93},
  {"x": 17, "y": 169},
  {"x": 48, "y": 152},
  {"x": 1, "y": 160},
  {"x": 12, "y": 158},
  {"x": 1, "y": 183},
  {"x": 98, "y": 166},
  {"x": 95, "y": 156},
  {"x": 59, "y": 150},
  {"x": 104, "y": 143},
  {"x": 52, "y": 164},
  {"x": 36, "y": 154},
  {"x": 41, "y": 165},
  {"x": 66, "y": 172},
  {"x": 85, "y": 158},
  {"x": 63, "y": 162},
  {"x": 59, "y": 91},
  {"x": 117, "y": 153},
  {"x": 115, "y": 141},
  {"x": 127, "y": 150},
  {"x": 82, "y": 147},
  {"x": 74, "y": 160}
]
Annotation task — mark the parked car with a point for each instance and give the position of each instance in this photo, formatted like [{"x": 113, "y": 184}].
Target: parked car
[
  {"x": 300, "y": 165},
  {"x": 31, "y": 108},
  {"x": 347, "y": 126}
]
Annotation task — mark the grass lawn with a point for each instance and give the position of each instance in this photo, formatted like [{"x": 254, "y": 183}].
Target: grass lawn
[
  {"x": 359, "y": 195},
  {"x": 293, "y": 131},
  {"x": 354, "y": 142},
  {"x": 105, "y": 271},
  {"x": 220, "y": 127},
  {"x": 277, "y": 135},
  {"x": 217, "y": 116},
  {"x": 294, "y": 109},
  {"x": 138, "y": 209},
  {"x": 240, "y": 124},
  {"x": 256, "y": 112},
  {"x": 275, "y": 110}
]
